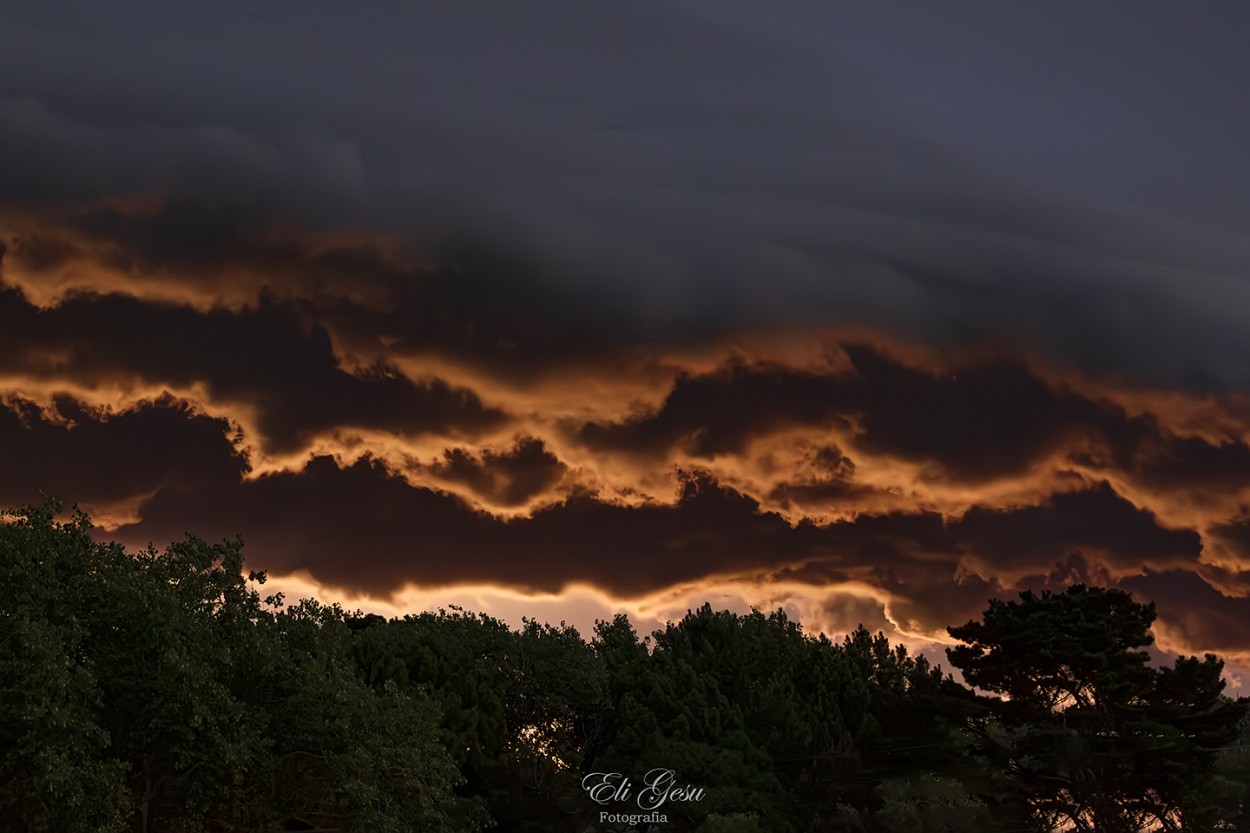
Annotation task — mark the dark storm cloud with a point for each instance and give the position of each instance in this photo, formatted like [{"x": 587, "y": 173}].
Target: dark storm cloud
[
  {"x": 370, "y": 291},
  {"x": 827, "y": 476},
  {"x": 978, "y": 423},
  {"x": 1195, "y": 612},
  {"x": 1146, "y": 451},
  {"x": 720, "y": 413},
  {"x": 654, "y": 169},
  {"x": 1191, "y": 462},
  {"x": 845, "y": 612},
  {"x": 193, "y": 239},
  {"x": 82, "y": 455},
  {"x": 972, "y": 421},
  {"x": 506, "y": 478},
  {"x": 364, "y": 527},
  {"x": 1236, "y": 533},
  {"x": 933, "y": 595},
  {"x": 943, "y": 571},
  {"x": 265, "y": 358},
  {"x": 1097, "y": 521}
]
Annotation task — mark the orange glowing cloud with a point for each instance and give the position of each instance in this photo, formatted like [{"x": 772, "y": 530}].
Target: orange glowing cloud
[{"x": 377, "y": 439}]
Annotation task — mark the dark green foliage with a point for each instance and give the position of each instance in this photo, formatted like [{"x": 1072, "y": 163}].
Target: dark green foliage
[
  {"x": 1048, "y": 653},
  {"x": 158, "y": 693},
  {"x": 518, "y": 707},
  {"x": 1085, "y": 734},
  {"x": 54, "y": 773},
  {"x": 794, "y": 731},
  {"x": 1230, "y": 780}
]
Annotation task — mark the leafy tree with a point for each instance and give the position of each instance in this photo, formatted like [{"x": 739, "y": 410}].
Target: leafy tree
[
  {"x": 167, "y": 638},
  {"x": 554, "y": 695},
  {"x": 452, "y": 657},
  {"x": 790, "y": 728},
  {"x": 55, "y": 774},
  {"x": 1231, "y": 778},
  {"x": 928, "y": 804},
  {"x": 1089, "y": 736},
  {"x": 157, "y": 693},
  {"x": 1052, "y": 652},
  {"x": 673, "y": 704},
  {"x": 346, "y": 754}
]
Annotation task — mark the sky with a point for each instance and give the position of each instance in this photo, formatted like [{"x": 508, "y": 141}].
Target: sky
[{"x": 869, "y": 312}]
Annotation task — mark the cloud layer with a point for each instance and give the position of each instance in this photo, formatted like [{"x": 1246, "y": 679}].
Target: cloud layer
[
  {"x": 838, "y": 470},
  {"x": 660, "y": 171},
  {"x": 641, "y": 304}
]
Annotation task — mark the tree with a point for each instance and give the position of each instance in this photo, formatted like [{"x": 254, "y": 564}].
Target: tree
[
  {"x": 55, "y": 773},
  {"x": 157, "y": 693},
  {"x": 347, "y": 754},
  {"x": 1088, "y": 735},
  {"x": 794, "y": 730},
  {"x": 1051, "y": 652}
]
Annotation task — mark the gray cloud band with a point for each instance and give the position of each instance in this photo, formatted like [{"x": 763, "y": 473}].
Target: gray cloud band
[{"x": 651, "y": 170}]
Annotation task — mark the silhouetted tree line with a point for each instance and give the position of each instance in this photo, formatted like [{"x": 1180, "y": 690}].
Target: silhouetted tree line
[{"x": 159, "y": 692}]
